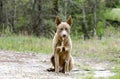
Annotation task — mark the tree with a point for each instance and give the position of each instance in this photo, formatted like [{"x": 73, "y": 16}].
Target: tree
[
  {"x": 112, "y": 3},
  {"x": 85, "y": 26},
  {"x": 14, "y": 15},
  {"x": 1, "y": 13},
  {"x": 37, "y": 16},
  {"x": 38, "y": 27},
  {"x": 55, "y": 7}
]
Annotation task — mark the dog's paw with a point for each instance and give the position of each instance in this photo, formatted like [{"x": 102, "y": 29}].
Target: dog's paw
[
  {"x": 67, "y": 73},
  {"x": 59, "y": 49}
]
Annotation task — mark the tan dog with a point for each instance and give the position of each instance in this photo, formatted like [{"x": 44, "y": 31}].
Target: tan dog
[{"x": 62, "y": 45}]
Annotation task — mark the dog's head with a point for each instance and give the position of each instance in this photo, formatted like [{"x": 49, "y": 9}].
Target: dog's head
[{"x": 63, "y": 28}]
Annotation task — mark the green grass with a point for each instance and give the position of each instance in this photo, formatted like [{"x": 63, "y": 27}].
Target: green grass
[
  {"x": 116, "y": 69},
  {"x": 106, "y": 49},
  {"x": 26, "y": 44},
  {"x": 92, "y": 77}
]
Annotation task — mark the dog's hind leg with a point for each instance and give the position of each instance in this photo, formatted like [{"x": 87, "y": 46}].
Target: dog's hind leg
[
  {"x": 53, "y": 60},
  {"x": 53, "y": 63}
]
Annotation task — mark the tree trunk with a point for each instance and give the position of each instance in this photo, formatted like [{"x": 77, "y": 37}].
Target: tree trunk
[
  {"x": 14, "y": 16},
  {"x": 55, "y": 7},
  {"x": 1, "y": 12},
  {"x": 84, "y": 28},
  {"x": 95, "y": 18},
  {"x": 37, "y": 16},
  {"x": 6, "y": 15},
  {"x": 40, "y": 14}
]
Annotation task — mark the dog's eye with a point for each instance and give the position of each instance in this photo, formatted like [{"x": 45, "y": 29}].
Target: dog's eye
[
  {"x": 61, "y": 29},
  {"x": 66, "y": 29}
]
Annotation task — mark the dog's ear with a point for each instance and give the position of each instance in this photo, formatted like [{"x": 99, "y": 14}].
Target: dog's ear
[
  {"x": 69, "y": 21},
  {"x": 57, "y": 20}
]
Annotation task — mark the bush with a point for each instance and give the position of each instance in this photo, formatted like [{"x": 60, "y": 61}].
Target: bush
[{"x": 100, "y": 29}]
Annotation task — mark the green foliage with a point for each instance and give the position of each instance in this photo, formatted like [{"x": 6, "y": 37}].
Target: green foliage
[
  {"x": 113, "y": 14},
  {"x": 6, "y": 31},
  {"x": 100, "y": 28},
  {"x": 112, "y": 3},
  {"x": 37, "y": 17},
  {"x": 50, "y": 28}
]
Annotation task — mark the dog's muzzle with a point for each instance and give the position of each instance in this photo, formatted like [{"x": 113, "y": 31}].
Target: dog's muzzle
[{"x": 64, "y": 33}]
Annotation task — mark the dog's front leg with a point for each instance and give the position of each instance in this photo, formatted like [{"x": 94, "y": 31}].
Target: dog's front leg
[
  {"x": 67, "y": 63},
  {"x": 56, "y": 62}
]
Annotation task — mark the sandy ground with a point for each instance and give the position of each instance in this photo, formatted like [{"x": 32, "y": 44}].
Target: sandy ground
[{"x": 18, "y": 65}]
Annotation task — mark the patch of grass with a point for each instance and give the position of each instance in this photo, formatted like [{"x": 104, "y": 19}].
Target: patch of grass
[
  {"x": 105, "y": 49},
  {"x": 115, "y": 77},
  {"x": 116, "y": 69},
  {"x": 92, "y": 77},
  {"x": 88, "y": 77},
  {"x": 26, "y": 44},
  {"x": 84, "y": 76}
]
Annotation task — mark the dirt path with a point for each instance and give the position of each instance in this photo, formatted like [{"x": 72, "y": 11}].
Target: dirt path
[{"x": 16, "y": 65}]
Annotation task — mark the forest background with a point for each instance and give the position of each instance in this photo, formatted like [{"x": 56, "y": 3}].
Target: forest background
[{"x": 37, "y": 17}]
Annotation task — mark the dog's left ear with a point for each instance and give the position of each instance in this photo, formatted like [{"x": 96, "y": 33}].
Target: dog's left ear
[{"x": 69, "y": 21}]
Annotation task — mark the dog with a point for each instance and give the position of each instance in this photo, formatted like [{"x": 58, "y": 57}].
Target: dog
[{"x": 62, "y": 59}]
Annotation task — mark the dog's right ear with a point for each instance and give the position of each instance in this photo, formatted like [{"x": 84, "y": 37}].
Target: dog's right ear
[
  {"x": 57, "y": 20},
  {"x": 69, "y": 21}
]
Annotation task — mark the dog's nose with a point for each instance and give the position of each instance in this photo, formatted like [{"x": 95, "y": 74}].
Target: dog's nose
[{"x": 64, "y": 35}]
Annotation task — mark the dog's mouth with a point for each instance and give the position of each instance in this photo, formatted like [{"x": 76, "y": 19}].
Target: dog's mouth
[{"x": 64, "y": 37}]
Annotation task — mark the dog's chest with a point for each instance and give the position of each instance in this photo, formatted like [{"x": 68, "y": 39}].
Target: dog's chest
[
  {"x": 62, "y": 46},
  {"x": 61, "y": 43}
]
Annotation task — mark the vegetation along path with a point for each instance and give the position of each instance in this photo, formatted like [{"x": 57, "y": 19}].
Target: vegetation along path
[{"x": 18, "y": 65}]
